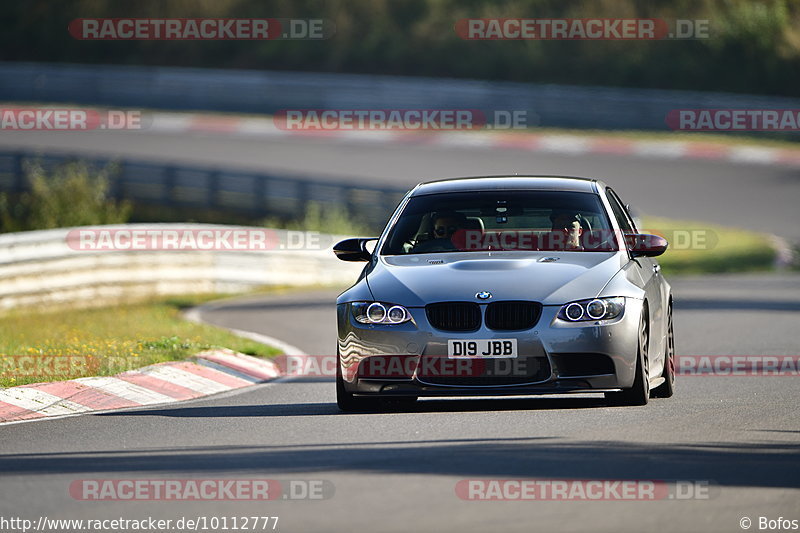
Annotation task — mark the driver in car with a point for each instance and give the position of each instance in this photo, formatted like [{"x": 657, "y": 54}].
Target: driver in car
[{"x": 445, "y": 225}]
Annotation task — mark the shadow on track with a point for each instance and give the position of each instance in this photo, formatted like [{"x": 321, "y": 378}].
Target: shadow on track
[
  {"x": 327, "y": 409},
  {"x": 752, "y": 464}
]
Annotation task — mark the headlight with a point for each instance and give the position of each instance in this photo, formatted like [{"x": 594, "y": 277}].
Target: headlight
[
  {"x": 379, "y": 313},
  {"x": 593, "y": 309}
]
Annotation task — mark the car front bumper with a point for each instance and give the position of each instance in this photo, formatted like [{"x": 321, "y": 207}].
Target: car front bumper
[{"x": 554, "y": 356}]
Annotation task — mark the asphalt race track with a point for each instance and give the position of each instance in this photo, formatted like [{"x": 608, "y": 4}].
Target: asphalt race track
[
  {"x": 399, "y": 470},
  {"x": 739, "y": 437}
]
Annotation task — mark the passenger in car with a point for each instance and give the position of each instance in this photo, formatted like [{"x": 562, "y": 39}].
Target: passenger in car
[{"x": 566, "y": 228}]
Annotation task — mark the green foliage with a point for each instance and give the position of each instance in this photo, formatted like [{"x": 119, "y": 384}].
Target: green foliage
[
  {"x": 754, "y": 45},
  {"x": 332, "y": 220},
  {"x": 71, "y": 195},
  {"x": 166, "y": 343},
  {"x": 726, "y": 249},
  {"x": 112, "y": 339}
]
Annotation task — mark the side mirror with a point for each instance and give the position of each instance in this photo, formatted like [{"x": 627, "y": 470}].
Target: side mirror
[
  {"x": 644, "y": 245},
  {"x": 353, "y": 249}
]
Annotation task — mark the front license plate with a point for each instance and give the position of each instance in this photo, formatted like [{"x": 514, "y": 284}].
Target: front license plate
[{"x": 481, "y": 348}]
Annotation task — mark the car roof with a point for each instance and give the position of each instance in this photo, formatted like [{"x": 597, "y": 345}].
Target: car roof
[{"x": 490, "y": 183}]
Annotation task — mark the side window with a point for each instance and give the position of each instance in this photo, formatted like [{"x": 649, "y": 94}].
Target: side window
[{"x": 625, "y": 223}]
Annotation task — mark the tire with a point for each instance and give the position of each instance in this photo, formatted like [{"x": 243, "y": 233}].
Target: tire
[
  {"x": 639, "y": 393},
  {"x": 667, "y": 389},
  {"x": 349, "y": 403}
]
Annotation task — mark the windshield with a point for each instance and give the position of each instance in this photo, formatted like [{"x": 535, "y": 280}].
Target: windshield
[{"x": 501, "y": 220}]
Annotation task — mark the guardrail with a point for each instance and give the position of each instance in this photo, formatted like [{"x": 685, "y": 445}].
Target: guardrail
[
  {"x": 41, "y": 268},
  {"x": 255, "y": 194},
  {"x": 251, "y": 91}
]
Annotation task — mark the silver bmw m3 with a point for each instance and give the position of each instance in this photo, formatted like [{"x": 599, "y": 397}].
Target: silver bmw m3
[{"x": 505, "y": 285}]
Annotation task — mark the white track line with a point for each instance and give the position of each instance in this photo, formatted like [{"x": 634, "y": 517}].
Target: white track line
[
  {"x": 753, "y": 154},
  {"x": 195, "y": 315},
  {"x": 660, "y": 149},
  {"x": 565, "y": 144},
  {"x": 286, "y": 348}
]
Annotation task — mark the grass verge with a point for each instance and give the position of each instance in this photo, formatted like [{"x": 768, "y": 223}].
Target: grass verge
[
  {"x": 107, "y": 340},
  {"x": 703, "y": 248}
]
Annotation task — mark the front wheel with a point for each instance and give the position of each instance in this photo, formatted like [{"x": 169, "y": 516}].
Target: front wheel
[{"x": 639, "y": 393}]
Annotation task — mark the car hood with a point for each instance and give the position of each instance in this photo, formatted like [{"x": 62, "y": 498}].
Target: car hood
[{"x": 552, "y": 278}]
